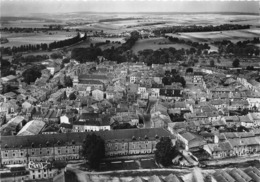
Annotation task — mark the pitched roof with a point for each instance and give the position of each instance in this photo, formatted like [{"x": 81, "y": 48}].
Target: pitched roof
[
  {"x": 78, "y": 138},
  {"x": 92, "y": 82},
  {"x": 32, "y": 128},
  {"x": 172, "y": 178},
  {"x": 93, "y": 77}
]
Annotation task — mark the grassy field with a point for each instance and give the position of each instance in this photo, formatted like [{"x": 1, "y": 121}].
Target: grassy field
[
  {"x": 227, "y": 61},
  {"x": 95, "y": 40},
  {"x": 18, "y": 39},
  {"x": 156, "y": 43}
]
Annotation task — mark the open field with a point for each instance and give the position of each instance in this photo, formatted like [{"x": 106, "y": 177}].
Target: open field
[
  {"x": 29, "y": 23},
  {"x": 156, "y": 43},
  {"x": 233, "y": 35},
  {"x": 142, "y": 21},
  {"x": 18, "y": 39}
]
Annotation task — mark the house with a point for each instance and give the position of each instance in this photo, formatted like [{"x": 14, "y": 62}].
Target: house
[
  {"x": 85, "y": 117},
  {"x": 197, "y": 77},
  {"x": 170, "y": 94},
  {"x": 190, "y": 141},
  {"x": 9, "y": 107},
  {"x": 50, "y": 130},
  {"x": 67, "y": 119},
  {"x": 13, "y": 126},
  {"x": 246, "y": 121},
  {"x": 255, "y": 117},
  {"x": 65, "y": 128},
  {"x": 245, "y": 146},
  {"x": 141, "y": 90},
  {"x": 53, "y": 67},
  {"x": 254, "y": 102},
  {"x": 33, "y": 127},
  {"x": 135, "y": 77},
  {"x": 238, "y": 105},
  {"x": 91, "y": 125},
  {"x": 232, "y": 121},
  {"x": 210, "y": 137},
  {"x": 219, "y": 150}
]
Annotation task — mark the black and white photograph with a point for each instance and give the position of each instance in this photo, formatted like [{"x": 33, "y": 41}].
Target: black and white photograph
[{"x": 129, "y": 91}]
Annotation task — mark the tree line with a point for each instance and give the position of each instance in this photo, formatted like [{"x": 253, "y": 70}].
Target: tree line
[
  {"x": 43, "y": 46},
  {"x": 120, "y": 54},
  {"x": 30, "y": 30},
  {"x": 200, "y": 46},
  {"x": 195, "y": 28},
  {"x": 241, "y": 48}
]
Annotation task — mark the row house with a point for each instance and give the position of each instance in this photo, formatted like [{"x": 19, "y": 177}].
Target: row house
[
  {"x": 94, "y": 84},
  {"x": 245, "y": 146},
  {"x": 100, "y": 125},
  {"x": 233, "y": 147},
  {"x": 67, "y": 146},
  {"x": 220, "y": 103},
  {"x": 102, "y": 78},
  {"x": 171, "y": 94},
  {"x": 218, "y": 150},
  {"x": 135, "y": 141}
]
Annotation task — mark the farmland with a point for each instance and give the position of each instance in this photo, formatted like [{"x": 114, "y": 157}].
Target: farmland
[
  {"x": 156, "y": 43},
  {"x": 150, "y": 21},
  {"x": 18, "y": 39},
  {"x": 234, "y": 35}
]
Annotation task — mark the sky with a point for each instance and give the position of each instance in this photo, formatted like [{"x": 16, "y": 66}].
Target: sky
[{"x": 27, "y": 7}]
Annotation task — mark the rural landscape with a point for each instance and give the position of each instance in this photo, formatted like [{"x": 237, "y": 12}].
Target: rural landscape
[{"x": 125, "y": 95}]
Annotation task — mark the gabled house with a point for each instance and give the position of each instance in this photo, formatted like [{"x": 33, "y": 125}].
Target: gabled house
[
  {"x": 255, "y": 117},
  {"x": 246, "y": 121},
  {"x": 191, "y": 141},
  {"x": 219, "y": 150}
]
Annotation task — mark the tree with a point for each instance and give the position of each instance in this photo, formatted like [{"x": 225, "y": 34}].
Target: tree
[
  {"x": 189, "y": 70},
  {"x": 31, "y": 74},
  {"x": 165, "y": 151},
  {"x": 236, "y": 63},
  {"x": 68, "y": 81},
  {"x": 93, "y": 150},
  {"x": 72, "y": 96},
  {"x": 212, "y": 63},
  {"x": 66, "y": 60}
]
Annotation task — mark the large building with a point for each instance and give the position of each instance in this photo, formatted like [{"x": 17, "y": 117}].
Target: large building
[{"x": 67, "y": 146}]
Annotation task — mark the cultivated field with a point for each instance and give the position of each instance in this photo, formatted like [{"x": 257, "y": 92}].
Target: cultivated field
[
  {"x": 18, "y": 39},
  {"x": 29, "y": 23},
  {"x": 234, "y": 35},
  {"x": 140, "y": 21},
  {"x": 156, "y": 43}
]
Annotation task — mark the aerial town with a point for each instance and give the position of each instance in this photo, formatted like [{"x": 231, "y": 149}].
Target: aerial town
[{"x": 71, "y": 113}]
